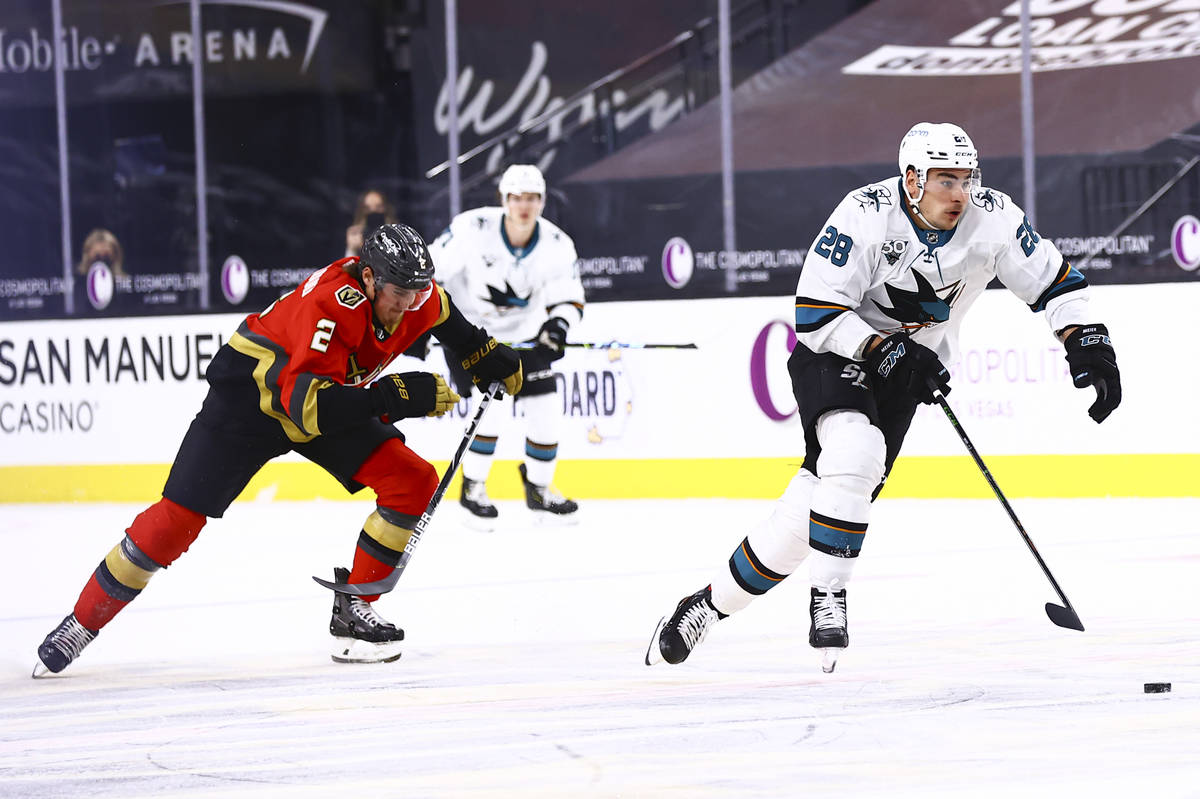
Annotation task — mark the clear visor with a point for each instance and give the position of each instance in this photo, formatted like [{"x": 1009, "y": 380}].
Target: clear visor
[{"x": 938, "y": 180}]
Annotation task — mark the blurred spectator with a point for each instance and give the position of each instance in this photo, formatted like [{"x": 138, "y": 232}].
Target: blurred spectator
[
  {"x": 102, "y": 245},
  {"x": 371, "y": 212}
]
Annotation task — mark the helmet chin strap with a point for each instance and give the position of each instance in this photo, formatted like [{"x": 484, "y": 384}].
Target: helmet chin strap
[{"x": 914, "y": 204}]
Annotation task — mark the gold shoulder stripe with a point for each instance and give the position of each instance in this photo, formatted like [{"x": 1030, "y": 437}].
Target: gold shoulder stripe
[
  {"x": 444, "y": 314},
  {"x": 268, "y": 400}
]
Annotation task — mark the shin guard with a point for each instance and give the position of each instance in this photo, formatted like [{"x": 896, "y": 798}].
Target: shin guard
[
  {"x": 158, "y": 536},
  {"x": 404, "y": 483},
  {"x": 850, "y": 467},
  {"x": 774, "y": 549}
]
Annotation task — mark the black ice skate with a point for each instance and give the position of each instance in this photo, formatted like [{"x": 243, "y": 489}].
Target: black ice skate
[
  {"x": 675, "y": 637},
  {"x": 62, "y": 646},
  {"x": 544, "y": 499},
  {"x": 360, "y": 634},
  {"x": 475, "y": 499},
  {"x": 830, "y": 630}
]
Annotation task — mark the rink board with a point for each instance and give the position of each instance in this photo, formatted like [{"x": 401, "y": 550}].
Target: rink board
[{"x": 94, "y": 410}]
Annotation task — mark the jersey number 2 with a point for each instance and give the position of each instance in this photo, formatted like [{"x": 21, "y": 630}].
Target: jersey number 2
[
  {"x": 320, "y": 339},
  {"x": 835, "y": 246}
]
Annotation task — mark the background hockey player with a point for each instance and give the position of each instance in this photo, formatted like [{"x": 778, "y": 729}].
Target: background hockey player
[
  {"x": 880, "y": 298},
  {"x": 514, "y": 273},
  {"x": 294, "y": 377}
]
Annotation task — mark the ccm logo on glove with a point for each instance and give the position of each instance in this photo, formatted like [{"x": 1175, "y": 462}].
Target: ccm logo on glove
[
  {"x": 1093, "y": 362},
  {"x": 899, "y": 363}
]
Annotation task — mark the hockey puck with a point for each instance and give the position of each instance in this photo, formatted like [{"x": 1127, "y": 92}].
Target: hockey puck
[{"x": 1157, "y": 687}]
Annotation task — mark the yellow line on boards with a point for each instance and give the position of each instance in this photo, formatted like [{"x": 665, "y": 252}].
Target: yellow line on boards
[{"x": 1153, "y": 475}]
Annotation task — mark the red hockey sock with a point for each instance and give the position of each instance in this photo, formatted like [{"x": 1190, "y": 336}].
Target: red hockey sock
[
  {"x": 158, "y": 536},
  {"x": 368, "y": 569}
]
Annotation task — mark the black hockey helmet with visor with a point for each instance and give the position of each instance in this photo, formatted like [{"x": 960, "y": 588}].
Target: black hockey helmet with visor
[{"x": 397, "y": 254}]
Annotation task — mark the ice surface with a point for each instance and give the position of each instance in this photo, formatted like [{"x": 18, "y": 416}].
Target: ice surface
[{"x": 523, "y": 674}]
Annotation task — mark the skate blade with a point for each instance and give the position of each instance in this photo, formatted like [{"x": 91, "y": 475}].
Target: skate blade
[
  {"x": 543, "y": 518},
  {"x": 653, "y": 652},
  {"x": 479, "y": 524},
  {"x": 352, "y": 650},
  {"x": 829, "y": 659}
]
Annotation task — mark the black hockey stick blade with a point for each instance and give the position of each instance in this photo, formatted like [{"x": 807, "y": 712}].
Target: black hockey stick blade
[
  {"x": 1064, "y": 617},
  {"x": 362, "y": 589}
]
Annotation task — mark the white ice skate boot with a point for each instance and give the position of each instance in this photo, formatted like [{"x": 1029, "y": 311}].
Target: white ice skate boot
[{"x": 360, "y": 634}]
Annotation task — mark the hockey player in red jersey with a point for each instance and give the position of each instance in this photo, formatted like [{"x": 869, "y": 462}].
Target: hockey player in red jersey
[{"x": 297, "y": 376}]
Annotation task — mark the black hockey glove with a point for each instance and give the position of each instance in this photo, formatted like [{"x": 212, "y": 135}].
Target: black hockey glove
[
  {"x": 1093, "y": 362},
  {"x": 411, "y": 394},
  {"x": 552, "y": 339},
  {"x": 898, "y": 361},
  {"x": 496, "y": 361}
]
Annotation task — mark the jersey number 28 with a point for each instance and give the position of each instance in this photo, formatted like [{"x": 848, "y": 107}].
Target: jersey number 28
[{"x": 835, "y": 246}]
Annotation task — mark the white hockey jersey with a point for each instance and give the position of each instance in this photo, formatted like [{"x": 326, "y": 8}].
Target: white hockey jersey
[
  {"x": 873, "y": 271},
  {"x": 510, "y": 291}
]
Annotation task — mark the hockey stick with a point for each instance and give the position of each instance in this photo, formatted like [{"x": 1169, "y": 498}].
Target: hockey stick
[
  {"x": 610, "y": 345},
  {"x": 604, "y": 344},
  {"x": 389, "y": 582},
  {"x": 1063, "y": 615}
]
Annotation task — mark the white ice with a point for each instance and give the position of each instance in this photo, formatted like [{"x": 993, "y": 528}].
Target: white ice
[{"x": 523, "y": 672}]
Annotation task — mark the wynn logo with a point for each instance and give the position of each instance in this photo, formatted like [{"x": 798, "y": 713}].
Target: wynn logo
[{"x": 531, "y": 98}]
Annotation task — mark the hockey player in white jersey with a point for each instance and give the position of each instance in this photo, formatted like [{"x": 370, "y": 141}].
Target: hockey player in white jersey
[
  {"x": 879, "y": 301},
  {"x": 512, "y": 269}
]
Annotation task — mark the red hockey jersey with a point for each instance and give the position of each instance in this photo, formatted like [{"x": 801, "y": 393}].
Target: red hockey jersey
[{"x": 320, "y": 334}]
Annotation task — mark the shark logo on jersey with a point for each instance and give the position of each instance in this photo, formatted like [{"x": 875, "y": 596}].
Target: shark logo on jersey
[
  {"x": 507, "y": 298},
  {"x": 873, "y": 198},
  {"x": 987, "y": 200},
  {"x": 920, "y": 308},
  {"x": 893, "y": 250}
]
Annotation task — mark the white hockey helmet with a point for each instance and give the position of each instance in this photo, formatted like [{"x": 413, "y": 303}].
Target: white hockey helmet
[
  {"x": 522, "y": 179},
  {"x": 933, "y": 145},
  {"x": 928, "y": 145}
]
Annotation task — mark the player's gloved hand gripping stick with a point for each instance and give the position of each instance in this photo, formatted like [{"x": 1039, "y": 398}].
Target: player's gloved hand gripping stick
[
  {"x": 1063, "y": 615},
  {"x": 389, "y": 582}
]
